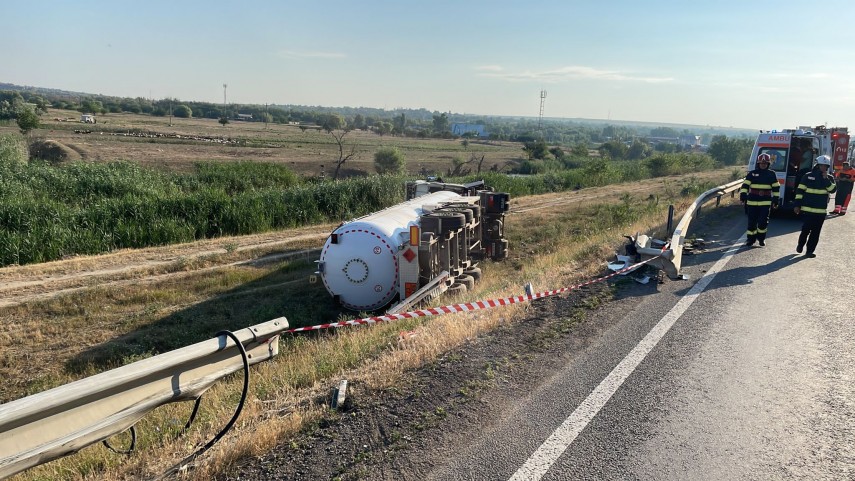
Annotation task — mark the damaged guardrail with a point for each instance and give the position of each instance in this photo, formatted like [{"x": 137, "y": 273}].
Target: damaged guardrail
[
  {"x": 669, "y": 258},
  {"x": 61, "y": 421}
]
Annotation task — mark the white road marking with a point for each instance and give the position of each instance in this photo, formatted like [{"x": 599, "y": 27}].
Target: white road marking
[{"x": 539, "y": 463}]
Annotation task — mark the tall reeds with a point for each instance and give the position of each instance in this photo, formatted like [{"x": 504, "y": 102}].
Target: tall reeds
[{"x": 48, "y": 211}]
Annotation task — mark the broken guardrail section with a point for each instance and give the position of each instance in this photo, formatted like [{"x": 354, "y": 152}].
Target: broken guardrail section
[{"x": 670, "y": 259}]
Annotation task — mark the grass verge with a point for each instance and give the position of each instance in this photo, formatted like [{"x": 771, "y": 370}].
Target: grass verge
[{"x": 556, "y": 248}]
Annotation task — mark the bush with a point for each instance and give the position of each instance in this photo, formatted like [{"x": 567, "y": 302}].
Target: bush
[
  {"x": 661, "y": 165},
  {"x": 182, "y": 111},
  {"x": 27, "y": 120},
  {"x": 389, "y": 160}
]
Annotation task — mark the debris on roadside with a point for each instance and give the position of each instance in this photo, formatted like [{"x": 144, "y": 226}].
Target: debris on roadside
[{"x": 693, "y": 246}]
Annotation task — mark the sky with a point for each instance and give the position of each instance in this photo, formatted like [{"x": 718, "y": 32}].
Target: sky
[{"x": 744, "y": 64}]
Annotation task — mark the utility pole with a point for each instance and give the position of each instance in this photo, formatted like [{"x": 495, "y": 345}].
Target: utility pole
[
  {"x": 224, "y": 100},
  {"x": 540, "y": 118}
]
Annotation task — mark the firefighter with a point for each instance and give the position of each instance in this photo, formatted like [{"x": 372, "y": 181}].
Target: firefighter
[
  {"x": 812, "y": 201},
  {"x": 759, "y": 194},
  {"x": 845, "y": 177}
]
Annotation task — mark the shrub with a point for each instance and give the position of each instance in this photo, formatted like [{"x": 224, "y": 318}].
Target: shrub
[
  {"x": 182, "y": 111},
  {"x": 27, "y": 120},
  {"x": 389, "y": 160}
]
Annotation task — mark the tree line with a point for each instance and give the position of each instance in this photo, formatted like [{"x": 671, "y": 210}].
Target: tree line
[
  {"x": 568, "y": 138},
  {"x": 401, "y": 122}
]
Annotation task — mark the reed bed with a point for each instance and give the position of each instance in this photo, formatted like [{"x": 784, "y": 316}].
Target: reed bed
[{"x": 49, "y": 212}]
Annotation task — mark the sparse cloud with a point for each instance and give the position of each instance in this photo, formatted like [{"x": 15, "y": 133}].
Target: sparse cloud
[
  {"x": 571, "y": 72},
  {"x": 292, "y": 54}
]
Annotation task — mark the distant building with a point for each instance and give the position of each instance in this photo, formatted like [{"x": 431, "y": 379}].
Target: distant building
[
  {"x": 692, "y": 141},
  {"x": 88, "y": 119},
  {"x": 462, "y": 129},
  {"x": 247, "y": 117},
  {"x": 663, "y": 140}
]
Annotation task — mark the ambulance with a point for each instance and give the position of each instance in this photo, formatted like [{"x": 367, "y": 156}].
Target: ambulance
[{"x": 794, "y": 150}]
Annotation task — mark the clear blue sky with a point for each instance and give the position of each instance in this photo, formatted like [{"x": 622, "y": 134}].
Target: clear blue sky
[{"x": 741, "y": 63}]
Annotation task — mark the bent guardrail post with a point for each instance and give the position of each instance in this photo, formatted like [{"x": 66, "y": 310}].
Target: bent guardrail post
[
  {"x": 670, "y": 260},
  {"x": 61, "y": 421}
]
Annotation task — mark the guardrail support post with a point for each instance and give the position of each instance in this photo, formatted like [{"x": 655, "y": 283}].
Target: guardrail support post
[{"x": 670, "y": 229}]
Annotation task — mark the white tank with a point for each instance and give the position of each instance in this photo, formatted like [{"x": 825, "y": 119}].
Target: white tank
[{"x": 360, "y": 258}]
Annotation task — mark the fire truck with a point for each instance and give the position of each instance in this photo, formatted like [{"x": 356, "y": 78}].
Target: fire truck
[{"x": 794, "y": 150}]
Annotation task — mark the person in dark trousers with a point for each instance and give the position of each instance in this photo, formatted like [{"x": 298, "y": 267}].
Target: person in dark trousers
[
  {"x": 811, "y": 203},
  {"x": 759, "y": 194},
  {"x": 845, "y": 177}
]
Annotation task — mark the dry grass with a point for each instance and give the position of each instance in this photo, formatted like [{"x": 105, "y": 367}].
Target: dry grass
[
  {"x": 558, "y": 246},
  {"x": 307, "y": 153}
]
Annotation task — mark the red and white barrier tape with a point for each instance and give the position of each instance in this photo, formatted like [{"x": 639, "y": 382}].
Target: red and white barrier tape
[{"x": 464, "y": 307}]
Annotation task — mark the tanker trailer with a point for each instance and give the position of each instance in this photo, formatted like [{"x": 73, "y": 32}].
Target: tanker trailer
[{"x": 417, "y": 249}]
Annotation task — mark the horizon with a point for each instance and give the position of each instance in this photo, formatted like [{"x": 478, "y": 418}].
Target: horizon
[
  {"x": 333, "y": 107},
  {"x": 733, "y": 65}
]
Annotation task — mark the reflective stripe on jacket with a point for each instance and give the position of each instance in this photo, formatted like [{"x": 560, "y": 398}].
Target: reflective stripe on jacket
[
  {"x": 760, "y": 188},
  {"x": 812, "y": 192}
]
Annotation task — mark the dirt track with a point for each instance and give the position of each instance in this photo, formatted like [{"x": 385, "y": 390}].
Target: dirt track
[{"x": 19, "y": 284}]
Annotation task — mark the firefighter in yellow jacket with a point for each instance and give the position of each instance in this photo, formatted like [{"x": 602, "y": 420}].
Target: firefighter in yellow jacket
[
  {"x": 760, "y": 192},
  {"x": 811, "y": 203},
  {"x": 845, "y": 177}
]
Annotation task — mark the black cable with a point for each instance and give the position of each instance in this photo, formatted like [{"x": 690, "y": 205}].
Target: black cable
[
  {"x": 130, "y": 448},
  {"x": 192, "y": 415},
  {"x": 178, "y": 467},
  {"x": 234, "y": 418}
]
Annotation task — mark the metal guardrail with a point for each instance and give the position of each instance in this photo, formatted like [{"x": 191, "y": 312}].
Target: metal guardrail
[
  {"x": 61, "y": 421},
  {"x": 671, "y": 259}
]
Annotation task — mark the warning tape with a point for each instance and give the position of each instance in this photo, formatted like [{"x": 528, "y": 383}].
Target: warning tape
[{"x": 466, "y": 306}]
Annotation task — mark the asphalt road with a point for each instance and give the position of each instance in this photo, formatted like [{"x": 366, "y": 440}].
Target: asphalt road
[{"x": 744, "y": 371}]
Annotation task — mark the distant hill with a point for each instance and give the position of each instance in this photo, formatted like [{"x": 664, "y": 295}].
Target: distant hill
[{"x": 45, "y": 92}]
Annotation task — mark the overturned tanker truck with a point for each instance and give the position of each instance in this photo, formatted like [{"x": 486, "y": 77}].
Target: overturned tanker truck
[{"x": 415, "y": 250}]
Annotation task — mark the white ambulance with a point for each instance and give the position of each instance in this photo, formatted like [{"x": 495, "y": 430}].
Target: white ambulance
[{"x": 794, "y": 150}]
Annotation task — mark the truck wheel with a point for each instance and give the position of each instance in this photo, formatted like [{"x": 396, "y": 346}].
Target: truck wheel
[
  {"x": 468, "y": 215},
  {"x": 449, "y": 221},
  {"x": 467, "y": 281},
  {"x": 456, "y": 289},
  {"x": 474, "y": 272}
]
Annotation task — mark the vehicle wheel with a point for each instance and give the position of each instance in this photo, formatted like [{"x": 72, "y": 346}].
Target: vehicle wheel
[
  {"x": 456, "y": 289},
  {"x": 474, "y": 272},
  {"x": 448, "y": 220},
  {"x": 467, "y": 281}
]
